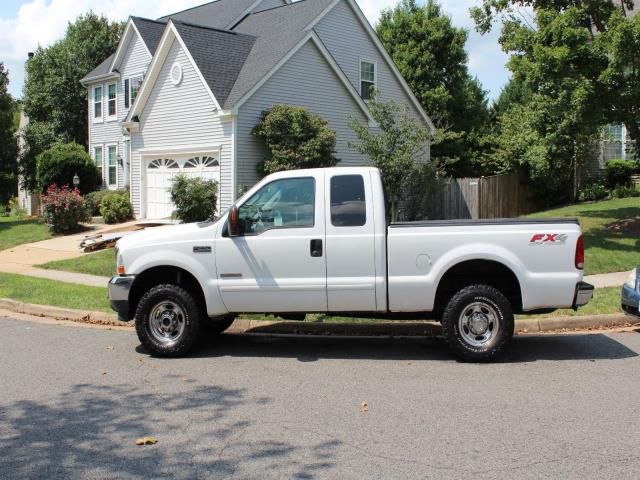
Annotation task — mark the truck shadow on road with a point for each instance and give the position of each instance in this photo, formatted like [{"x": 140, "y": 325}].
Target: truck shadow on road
[{"x": 308, "y": 348}]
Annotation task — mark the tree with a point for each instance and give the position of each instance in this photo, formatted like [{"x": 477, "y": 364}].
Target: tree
[
  {"x": 430, "y": 53},
  {"x": 54, "y": 99},
  {"x": 59, "y": 164},
  {"x": 394, "y": 147},
  {"x": 295, "y": 138},
  {"x": 8, "y": 145}
]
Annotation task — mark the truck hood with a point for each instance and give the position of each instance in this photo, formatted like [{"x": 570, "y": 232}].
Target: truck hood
[{"x": 165, "y": 234}]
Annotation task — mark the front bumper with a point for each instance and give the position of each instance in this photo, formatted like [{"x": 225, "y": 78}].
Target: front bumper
[
  {"x": 119, "y": 289},
  {"x": 630, "y": 301},
  {"x": 584, "y": 293}
]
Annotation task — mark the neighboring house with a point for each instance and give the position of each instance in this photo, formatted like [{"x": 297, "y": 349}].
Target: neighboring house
[
  {"x": 182, "y": 93},
  {"x": 614, "y": 143}
]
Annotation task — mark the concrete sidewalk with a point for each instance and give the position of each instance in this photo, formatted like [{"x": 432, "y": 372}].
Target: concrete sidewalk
[
  {"x": 23, "y": 259},
  {"x": 615, "y": 279}
]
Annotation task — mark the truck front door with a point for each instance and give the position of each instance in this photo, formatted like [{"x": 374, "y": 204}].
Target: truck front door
[{"x": 278, "y": 263}]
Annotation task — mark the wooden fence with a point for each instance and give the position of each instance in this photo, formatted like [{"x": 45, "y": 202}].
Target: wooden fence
[{"x": 499, "y": 196}]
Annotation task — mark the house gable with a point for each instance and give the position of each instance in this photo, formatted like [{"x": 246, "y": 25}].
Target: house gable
[
  {"x": 350, "y": 39},
  {"x": 309, "y": 81},
  {"x": 179, "y": 117}
]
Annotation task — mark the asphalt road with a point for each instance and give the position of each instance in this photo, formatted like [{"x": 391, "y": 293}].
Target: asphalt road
[{"x": 74, "y": 400}]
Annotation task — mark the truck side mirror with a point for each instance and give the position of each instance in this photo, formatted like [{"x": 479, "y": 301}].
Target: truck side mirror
[{"x": 234, "y": 223}]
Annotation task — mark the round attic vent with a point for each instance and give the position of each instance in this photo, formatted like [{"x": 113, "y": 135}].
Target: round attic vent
[{"x": 176, "y": 73}]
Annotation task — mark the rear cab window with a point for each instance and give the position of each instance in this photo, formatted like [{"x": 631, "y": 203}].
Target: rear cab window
[{"x": 348, "y": 204}]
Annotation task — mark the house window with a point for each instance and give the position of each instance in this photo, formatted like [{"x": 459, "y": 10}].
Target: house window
[
  {"x": 613, "y": 143},
  {"x": 112, "y": 174},
  {"x": 112, "y": 101},
  {"x": 367, "y": 79},
  {"x": 131, "y": 88},
  {"x": 97, "y": 157},
  {"x": 97, "y": 104}
]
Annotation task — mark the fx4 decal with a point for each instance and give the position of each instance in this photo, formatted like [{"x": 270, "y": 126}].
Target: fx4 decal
[{"x": 548, "y": 239}]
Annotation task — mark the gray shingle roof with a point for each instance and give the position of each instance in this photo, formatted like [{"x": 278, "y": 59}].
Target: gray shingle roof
[
  {"x": 100, "y": 70},
  {"x": 216, "y": 14},
  {"x": 150, "y": 30},
  {"x": 278, "y": 30},
  {"x": 219, "y": 55}
]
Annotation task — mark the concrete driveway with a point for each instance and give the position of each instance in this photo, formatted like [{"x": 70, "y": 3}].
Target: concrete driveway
[{"x": 75, "y": 399}]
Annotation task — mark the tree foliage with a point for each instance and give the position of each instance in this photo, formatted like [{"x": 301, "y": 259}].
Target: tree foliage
[
  {"x": 430, "y": 53},
  {"x": 395, "y": 147},
  {"x": 570, "y": 64},
  {"x": 54, "y": 100},
  {"x": 59, "y": 164},
  {"x": 8, "y": 145},
  {"x": 295, "y": 138}
]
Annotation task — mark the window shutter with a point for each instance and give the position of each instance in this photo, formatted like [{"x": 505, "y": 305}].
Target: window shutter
[{"x": 126, "y": 93}]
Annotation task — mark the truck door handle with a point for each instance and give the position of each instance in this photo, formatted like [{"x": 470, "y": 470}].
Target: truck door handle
[{"x": 316, "y": 248}]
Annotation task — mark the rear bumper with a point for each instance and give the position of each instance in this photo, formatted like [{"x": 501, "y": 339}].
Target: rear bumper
[
  {"x": 119, "y": 289},
  {"x": 630, "y": 301},
  {"x": 583, "y": 294}
]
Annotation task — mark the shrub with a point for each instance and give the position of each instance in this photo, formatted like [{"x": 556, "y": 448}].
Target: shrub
[
  {"x": 116, "y": 207},
  {"x": 625, "y": 191},
  {"x": 619, "y": 172},
  {"x": 295, "y": 138},
  {"x": 94, "y": 199},
  {"x": 63, "y": 209},
  {"x": 592, "y": 191},
  {"x": 14, "y": 208},
  {"x": 195, "y": 198},
  {"x": 60, "y": 163}
]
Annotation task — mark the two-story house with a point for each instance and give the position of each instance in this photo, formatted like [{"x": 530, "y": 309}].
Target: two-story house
[{"x": 182, "y": 93}]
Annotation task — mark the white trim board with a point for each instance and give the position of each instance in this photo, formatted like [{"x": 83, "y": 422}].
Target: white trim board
[
  {"x": 180, "y": 150},
  {"x": 124, "y": 42}
]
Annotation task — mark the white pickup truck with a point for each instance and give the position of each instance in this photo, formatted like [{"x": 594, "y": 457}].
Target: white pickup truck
[{"x": 318, "y": 241}]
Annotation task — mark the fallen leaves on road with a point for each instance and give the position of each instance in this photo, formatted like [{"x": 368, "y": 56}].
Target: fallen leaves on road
[
  {"x": 364, "y": 407},
  {"x": 146, "y": 441}
]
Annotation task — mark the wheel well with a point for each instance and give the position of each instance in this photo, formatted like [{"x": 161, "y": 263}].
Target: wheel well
[
  {"x": 161, "y": 275},
  {"x": 485, "y": 272}
]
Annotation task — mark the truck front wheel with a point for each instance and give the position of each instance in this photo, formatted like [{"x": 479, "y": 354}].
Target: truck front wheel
[
  {"x": 168, "y": 320},
  {"x": 478, "y": 323}
]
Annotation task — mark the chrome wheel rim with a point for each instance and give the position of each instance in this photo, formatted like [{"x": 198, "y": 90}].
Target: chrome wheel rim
[
  {"x": 479, "y": 323},
  {"x": 167, "y": 322}
]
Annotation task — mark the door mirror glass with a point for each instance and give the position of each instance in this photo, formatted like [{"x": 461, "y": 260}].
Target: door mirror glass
[{"x": 234, "y": 224}]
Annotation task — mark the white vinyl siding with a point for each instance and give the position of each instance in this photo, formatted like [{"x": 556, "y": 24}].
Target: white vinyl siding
[
  {"x": 180, "y": 116},
  {"x": 349, "y": 43},
  {"x": 134, "y": 63},
  {"x": 318, "y": 89}
]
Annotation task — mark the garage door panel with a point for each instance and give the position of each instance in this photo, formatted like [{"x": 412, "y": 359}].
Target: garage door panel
[{"x": 160, "y": 172}]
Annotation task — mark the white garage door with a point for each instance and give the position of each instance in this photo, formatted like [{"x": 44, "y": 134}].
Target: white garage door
[{"x": 159, "y": 173}]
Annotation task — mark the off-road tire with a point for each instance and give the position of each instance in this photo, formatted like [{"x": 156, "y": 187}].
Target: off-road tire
[
  {"x": 193, "y": 319},
  {"x": 451, "y": 318}
]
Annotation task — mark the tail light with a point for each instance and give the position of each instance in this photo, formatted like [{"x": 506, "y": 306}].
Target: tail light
[{"x": 580, "y": 253}]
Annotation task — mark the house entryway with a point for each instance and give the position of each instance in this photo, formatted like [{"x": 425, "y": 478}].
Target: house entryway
[{"x": 159, "y": 172}]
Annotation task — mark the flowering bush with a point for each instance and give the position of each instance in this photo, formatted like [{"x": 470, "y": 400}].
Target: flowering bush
[{"x": 63, "y": 209}]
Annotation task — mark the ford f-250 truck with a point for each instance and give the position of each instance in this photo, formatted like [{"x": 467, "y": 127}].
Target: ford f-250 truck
[{"x": 318, "y": 241}]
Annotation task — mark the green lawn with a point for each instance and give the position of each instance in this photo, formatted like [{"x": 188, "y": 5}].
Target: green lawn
[
  {"x": 16, "y": 232},
  {"x": 50, "y": 292},
  {"x": 605, "y": 300},
  {"x": 605, "y": 251},
  {"x": 102, "y": 263}
]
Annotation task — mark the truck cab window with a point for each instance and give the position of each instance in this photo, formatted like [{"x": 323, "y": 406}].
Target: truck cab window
[
  {"x": 285, "y": 203},
  {"x": 348, "y": 207}
]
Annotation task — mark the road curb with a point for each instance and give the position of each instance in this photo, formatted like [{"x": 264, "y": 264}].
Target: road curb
[{"x": 398, "y": 328}]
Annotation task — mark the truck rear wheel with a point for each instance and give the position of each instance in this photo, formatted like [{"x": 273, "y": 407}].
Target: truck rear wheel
[
  {"x": 478, "y": 323},
  {"x": 168, "y": 320}
]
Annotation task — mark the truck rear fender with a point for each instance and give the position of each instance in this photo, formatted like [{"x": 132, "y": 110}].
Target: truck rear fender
[{"x": 495, "y": 266}]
